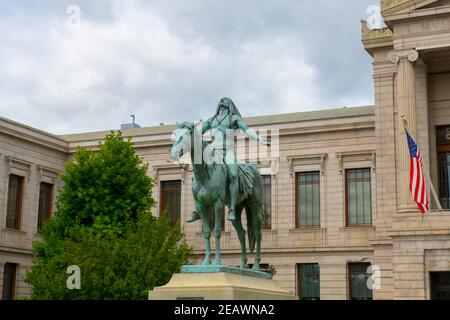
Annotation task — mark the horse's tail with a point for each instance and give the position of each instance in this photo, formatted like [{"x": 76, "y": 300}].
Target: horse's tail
[{"x": 250, "y": 229}]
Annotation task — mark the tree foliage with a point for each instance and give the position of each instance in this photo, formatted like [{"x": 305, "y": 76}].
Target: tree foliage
[
  {"x": 103, "y": 225},
  {"x": 103, "y": 190}
]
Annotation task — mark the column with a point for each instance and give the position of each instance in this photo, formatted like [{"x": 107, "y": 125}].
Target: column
[{"x": 406, "y": 104}]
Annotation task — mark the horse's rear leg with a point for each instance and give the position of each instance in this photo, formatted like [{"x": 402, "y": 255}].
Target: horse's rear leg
[
  {"x": 237, "y": 224},
  {"x": 255, "y": 209},
  {"x": 256, "y": 265}
]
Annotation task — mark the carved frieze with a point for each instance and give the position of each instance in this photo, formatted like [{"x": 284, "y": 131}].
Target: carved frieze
[{"x": 424, "y": 27}]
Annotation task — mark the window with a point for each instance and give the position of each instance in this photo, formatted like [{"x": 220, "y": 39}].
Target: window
[
  {"x": 444, "y": 179},
  {"x": 267, "y": 194},
  {"x": 358, "y": 276},
  {"x": 443, "y": 149},
  {"x": 212, "y": 219},
  {"x": 171, "y": 200},
  {"x": 308, "y": 199},
  {"x": 443, "y": 136},
  {"x": 440, "y": 285},
  {"x": 9, "y": 281},
  {"x": 358, "y": 197},
  {"x": 14, "y": 206},
  {"x": 308, "y": 277},
  {"x": 45, "y": 202}
]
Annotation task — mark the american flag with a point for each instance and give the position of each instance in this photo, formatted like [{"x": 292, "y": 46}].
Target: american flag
[{"x": 416, "y": 178}]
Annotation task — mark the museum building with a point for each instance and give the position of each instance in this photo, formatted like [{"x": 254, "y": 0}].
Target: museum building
[{"x": 337, "y": 208}]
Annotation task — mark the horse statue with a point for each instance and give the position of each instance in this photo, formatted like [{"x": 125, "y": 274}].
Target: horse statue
[{"x": 209, "y": 188}]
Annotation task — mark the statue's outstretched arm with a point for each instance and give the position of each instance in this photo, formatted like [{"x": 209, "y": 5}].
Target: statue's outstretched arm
[
  {"x": 248, "y": 131},
  {"x": 206, "y": 125}
]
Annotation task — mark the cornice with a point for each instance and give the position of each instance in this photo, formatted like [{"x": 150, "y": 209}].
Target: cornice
[
  {"x": 14, "y": 250},
  {"x": 397, "y": 233},
  {"x": 375, "y": 38},
  {"x": 389, "y": 7},
  {"x": 32, "y": 135},
  {"x": 413, "y": 10},
  {"x": 322, "y": 128}
]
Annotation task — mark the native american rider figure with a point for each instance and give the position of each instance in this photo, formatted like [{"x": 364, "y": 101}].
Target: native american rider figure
[{"x": 226, "y": 118}]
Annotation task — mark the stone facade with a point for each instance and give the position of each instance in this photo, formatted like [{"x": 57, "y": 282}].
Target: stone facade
[
  {"x": 36, "y": 156},
  {"x": 411, "y": 62}
]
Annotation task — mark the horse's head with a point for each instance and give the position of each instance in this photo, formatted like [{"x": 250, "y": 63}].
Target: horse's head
[{"x": 183, "y": 138}]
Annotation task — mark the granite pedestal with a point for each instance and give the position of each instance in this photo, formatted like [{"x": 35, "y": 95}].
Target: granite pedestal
[{"x": 220, "y": 283}]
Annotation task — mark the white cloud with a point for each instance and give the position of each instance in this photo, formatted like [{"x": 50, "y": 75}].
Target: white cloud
[{"x": 141, "y": 61}]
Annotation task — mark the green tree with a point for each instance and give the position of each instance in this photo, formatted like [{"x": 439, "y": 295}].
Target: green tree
[{"x": 104, "y": 226}]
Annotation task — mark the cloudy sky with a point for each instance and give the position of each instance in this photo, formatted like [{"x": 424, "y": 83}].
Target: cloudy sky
[{"x": 173, "y": 60}]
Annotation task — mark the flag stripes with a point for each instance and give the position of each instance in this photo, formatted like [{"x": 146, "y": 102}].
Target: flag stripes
[{"x": 416, "y": 177}]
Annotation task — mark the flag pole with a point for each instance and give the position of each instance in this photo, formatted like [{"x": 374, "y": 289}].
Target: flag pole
[{"x": 425, "y": 171}]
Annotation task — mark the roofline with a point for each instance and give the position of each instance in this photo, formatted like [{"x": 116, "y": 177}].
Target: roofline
[
  {"x": 312, "y": 111},
  {"x": 25, "y": 126},
  {"x": 23, "y": 131},
  {"x": 134, "y": 132}
]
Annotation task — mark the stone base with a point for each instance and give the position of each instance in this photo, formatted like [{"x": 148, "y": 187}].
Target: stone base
[{"x": 220, "y": 283}]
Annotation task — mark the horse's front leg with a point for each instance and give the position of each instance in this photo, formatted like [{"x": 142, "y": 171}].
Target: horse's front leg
[
  {"x": 218, "y": 209},
  {"x": 206, "y": 233}
]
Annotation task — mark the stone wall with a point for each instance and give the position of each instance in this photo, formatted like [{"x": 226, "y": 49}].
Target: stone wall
[{"x": 36, "y": 156}]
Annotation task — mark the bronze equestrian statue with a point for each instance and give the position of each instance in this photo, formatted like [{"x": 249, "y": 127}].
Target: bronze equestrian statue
[{"x": 226, "y": 183}]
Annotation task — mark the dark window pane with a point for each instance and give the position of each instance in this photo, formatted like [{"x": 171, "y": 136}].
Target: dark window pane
[
  {"x": 308, "y": 202},
  {"x": 367, "y": 174},
  {"x": 443, "y": 135},
  {"x": 359, "y": 200},
  {"x": 352, "y": 203},
  {"x": 440, "y": 285},
  {"x": 302, "y": 204},
  {"x": 267, "y": 194},
  {"x": 359, "y": 196},
  {"x": 367, "y": 202},
  {"x": 351, "y": 174},
  {"x": 316, "y": 194},
  {"x": 9, "y": 281},
  {"x": 171, "y": 200},
  {"x": 358, "y": 277},
  {"x": 14, "y": 205},
  {"x": 45, "y": 202},
  {"x": 308, "y": 276},
  {"x": 308, "y": 198},
  {"x": 444, "y": 179},
  {"x": 301, "y": 178}
]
